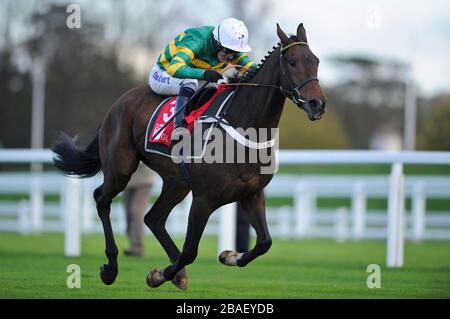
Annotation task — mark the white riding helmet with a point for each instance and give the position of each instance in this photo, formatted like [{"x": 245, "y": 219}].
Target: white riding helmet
[{"x": 232, "y": 34}]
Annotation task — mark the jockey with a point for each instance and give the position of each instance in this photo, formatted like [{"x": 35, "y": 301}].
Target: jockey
[{"x": 196, "y": 55}]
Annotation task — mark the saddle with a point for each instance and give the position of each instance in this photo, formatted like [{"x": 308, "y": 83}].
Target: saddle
[
  {"x": 199, "y": 98},
  {"x": 160, "y": 125}
]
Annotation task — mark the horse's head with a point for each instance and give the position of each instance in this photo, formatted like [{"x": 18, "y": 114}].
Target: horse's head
[{"x": 299, "y": 73}]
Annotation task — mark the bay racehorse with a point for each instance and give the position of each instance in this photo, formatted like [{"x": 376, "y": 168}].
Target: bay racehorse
[{"x": 288, "y": 71}]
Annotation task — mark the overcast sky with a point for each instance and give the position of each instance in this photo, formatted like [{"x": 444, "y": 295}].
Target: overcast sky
[{"x": 414, "y": 31}]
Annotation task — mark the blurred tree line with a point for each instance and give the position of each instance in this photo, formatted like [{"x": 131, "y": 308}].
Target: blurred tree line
[
  {"x": 83, "y": 78},
  {"x": 369, "y": 99},
  {"x": 88, "y": 68},
  {"x": 435, "y": 130}
]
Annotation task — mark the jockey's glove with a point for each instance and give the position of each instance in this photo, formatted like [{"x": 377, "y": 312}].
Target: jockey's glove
[{"x": 212, "y": 76}]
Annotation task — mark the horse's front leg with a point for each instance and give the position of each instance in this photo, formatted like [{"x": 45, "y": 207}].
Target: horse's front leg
[
  {"x": 172, "y": 194},
  {"x": 255, "y": 209},
  {"x": 198, "y": 217}
]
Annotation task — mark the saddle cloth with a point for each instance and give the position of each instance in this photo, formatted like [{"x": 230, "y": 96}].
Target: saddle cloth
[{"x": 159, "y": 143}]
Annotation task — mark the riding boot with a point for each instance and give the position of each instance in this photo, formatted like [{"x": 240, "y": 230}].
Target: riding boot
[
  {"x": 180, "y": 111},
  {"x": 186, "y": 91}
]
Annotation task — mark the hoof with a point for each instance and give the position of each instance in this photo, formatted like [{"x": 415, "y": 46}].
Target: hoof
[
  {"x": 108, "y": 274},
  {"x": 229, "y": 257},
  {"x": 181, "y": 280},
  {"x": 155, "y": 278}
]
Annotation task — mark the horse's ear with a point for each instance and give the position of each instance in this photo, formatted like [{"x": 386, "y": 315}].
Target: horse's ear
[
  {"x": 301, "y": 33},
  {"x": 283, "y": 37}
]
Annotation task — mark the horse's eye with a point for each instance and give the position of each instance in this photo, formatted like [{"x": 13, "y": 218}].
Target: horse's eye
[{"x": 291, "y": 62}]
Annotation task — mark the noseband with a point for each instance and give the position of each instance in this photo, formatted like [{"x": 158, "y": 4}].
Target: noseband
[{"x": 294, "y": 91}]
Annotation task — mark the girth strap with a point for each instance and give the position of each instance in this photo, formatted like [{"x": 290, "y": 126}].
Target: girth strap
[{"x": 235, "y": 134}]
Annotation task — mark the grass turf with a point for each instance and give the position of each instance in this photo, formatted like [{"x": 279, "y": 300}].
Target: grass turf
[{"x": 33, "y": 266}]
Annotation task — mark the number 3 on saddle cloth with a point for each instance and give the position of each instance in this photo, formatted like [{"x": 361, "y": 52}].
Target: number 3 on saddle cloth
[{"x": 165, "y": 111}]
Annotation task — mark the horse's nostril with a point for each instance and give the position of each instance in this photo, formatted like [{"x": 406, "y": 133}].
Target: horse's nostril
[{"x": 314, "y": 103}]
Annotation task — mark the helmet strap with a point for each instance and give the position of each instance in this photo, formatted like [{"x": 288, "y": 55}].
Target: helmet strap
[
  {"x": 218, "y": 34},
  {"x": 216, "y": 44}
]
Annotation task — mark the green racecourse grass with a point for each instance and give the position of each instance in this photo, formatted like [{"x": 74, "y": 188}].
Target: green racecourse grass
[{"x": 33, "y": 266}]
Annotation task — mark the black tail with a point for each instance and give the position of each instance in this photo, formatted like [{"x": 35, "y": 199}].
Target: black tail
[{"x": 74, "y": 160}]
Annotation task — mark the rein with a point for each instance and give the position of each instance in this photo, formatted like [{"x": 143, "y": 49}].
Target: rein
[{"x": 294, "y": 94}]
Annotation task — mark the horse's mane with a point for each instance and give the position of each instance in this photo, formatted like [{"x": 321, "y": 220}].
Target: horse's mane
[{"x": 250, "y": 74}]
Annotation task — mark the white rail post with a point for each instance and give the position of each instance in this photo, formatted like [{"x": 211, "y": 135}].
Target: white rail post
[
  {"x": 340, "y": 224},
  {"x": 359, "y": 208},
  {"x": 418, "y": 212},
  {"x": 72, "y": 236},
  {"x": 395, "y": 239},
  {"x": 284, "y": 222},
  {"x": 88, "y": 207},
  {"x": 302, "y": 209},
  {"x": 36, "y": 202},
  {"x": 24, "y": 217},
  {"x": 227, "y": 228}
]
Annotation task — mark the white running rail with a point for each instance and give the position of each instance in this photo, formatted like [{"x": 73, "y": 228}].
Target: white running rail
[{"x": 396, "y": 218}]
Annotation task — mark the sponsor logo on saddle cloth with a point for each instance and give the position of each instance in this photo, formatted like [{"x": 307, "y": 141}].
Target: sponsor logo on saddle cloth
[{"x": 167, "y": 111}]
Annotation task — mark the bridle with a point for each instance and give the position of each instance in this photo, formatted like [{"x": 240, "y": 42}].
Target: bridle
[{"x": 293, "y": 92}]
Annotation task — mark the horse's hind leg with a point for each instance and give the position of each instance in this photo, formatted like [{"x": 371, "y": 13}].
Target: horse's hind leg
[
  {"x": 254, "y": 207},
  {"x": 113, "y": 184},
  {"x": 172, "y": 193}
]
